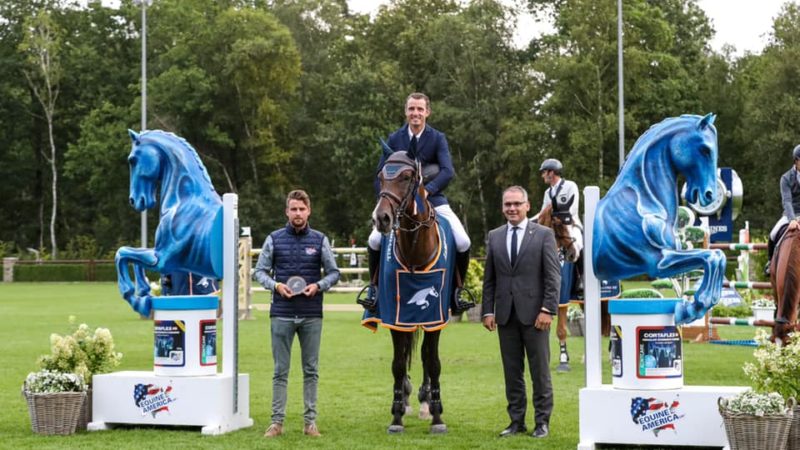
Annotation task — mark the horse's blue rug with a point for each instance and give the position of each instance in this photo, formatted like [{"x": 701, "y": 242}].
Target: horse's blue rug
[{"x": 408, "y": 300}]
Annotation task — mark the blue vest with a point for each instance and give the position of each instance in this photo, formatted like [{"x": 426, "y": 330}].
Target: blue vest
[{"x": 296, "y": 254}]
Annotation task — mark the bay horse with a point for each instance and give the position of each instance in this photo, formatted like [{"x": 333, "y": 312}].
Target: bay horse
[
  {"x": 569, "y": 242},
  {"x": 785, "y": 279},
  {"x": 189, "y": 233},
  {"x": 634, "y": 227},
  {"x": 415, "y": 283}
]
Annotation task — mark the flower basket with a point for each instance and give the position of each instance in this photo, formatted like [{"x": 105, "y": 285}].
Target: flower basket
[
  {"x": 54, "y": 413},
  {"x": 763, "y": 312},
  {"x": 576, "y": 326},
  {"x": 752, "y": 432}
]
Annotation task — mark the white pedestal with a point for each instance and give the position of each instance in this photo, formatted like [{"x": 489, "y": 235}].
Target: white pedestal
[
  {"x": 688, "y": 416},
  {"x": 204, "y": 401}
]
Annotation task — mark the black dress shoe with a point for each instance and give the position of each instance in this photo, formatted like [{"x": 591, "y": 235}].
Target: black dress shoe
[
  {"x": 541, "y": 431},
  {"x": 512, "y": 429}
]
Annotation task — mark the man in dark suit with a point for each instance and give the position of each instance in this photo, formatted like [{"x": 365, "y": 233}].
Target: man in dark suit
[
  {"x": 434, "y": 153},
  {"x": 521, "y": 286}
]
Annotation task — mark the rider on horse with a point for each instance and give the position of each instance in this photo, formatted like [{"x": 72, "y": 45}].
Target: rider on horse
[
  {"x": 563, "y": 197},
  {"x": 432, "y": 150},
  {"x": 790, "y": 199}
]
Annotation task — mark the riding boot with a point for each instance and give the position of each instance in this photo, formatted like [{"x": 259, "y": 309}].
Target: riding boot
[
  {"x": 770, "y": 252},
  {"x": 370, "y": 301},
  {"x": 461, "y": 302}
]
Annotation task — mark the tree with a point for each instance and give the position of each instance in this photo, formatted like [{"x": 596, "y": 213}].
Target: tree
[{"x": 42, "y": 45}]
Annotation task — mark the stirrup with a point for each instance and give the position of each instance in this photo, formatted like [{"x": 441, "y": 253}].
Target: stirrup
[
  {"x": 368, "y": 298},
  {"x": 766, "y": 268},
  {"x": 460, "y": 304}
]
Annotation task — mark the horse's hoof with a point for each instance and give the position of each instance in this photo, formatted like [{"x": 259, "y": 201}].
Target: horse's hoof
[
  {"x": 424, "y": 411},
  {"x": 395, "y": 429},
  {"x": 439, "y": 429},
  {"x": 563, "y": 367}
]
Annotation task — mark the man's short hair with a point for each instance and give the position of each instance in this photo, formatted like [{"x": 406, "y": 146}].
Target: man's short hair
[
  {"x": 419, "y": 96},
  {"x": 518, "y": 189},
  {"x": 299, "y": 194}
]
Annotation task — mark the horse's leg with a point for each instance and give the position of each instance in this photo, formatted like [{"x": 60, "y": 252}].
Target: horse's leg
[
  {"x": 401, "y": 341},
  {"x": 140, "y": 258},
  {"x": 424, "y": 393},
  {"x": 434, "y": 369},
  {"x": 676, "y": 262},
  {"x": 561, "y": 332}
]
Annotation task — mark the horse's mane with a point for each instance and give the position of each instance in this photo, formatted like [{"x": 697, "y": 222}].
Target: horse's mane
[
  {"x": 170, "y": 142},
  {"x": 657, "y": 131}
]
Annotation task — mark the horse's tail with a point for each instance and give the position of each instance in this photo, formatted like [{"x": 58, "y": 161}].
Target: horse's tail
[{"x": 410, "y": 353}]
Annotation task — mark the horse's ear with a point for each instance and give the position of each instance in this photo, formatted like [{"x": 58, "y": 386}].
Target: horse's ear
[
  {"x": 706, "y": 121},
  {"x": 386, "y": 149},
  {"x": 134, "y": 136}
]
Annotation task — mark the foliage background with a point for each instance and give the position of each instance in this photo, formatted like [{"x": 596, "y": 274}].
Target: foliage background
[{"x": 282, "y": 94}]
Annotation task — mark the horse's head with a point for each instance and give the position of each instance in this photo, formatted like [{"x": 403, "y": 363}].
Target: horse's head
[
  {"x": 563, "y": 233},
  {"x": 694, "y": 153},
  {"x": 399, "y": 179},
  {"x": 145, "y": 166}
]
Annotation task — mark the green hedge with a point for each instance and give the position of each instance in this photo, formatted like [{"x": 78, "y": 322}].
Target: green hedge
[{"x": 70, "y": 272}]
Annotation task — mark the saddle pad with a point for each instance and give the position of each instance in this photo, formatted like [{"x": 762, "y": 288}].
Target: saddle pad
[{"x": 408, "y": 300}]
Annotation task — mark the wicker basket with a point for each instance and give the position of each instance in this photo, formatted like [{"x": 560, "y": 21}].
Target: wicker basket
[
  {"x": 750, "y": 432},
  {"x": 794, "y": 431},
  {"x": 576, "y": 326},
  {"x": 86, "y": 412},
  {"x": 55, "y": 413}
]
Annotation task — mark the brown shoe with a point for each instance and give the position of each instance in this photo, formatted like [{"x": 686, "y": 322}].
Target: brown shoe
[
  {"x": 311, "y": 430},
  {"x": 274, "y": 430}
]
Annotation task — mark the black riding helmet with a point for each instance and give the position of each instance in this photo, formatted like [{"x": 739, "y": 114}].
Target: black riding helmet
[
  {"x": 551, "y": 164},
  {"x": 796, "y": 153}
]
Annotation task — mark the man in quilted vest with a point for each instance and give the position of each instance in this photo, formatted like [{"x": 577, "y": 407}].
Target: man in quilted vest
[{"x": 289, "y": 266}]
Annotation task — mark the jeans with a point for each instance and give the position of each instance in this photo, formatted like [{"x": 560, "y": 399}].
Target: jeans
[{"x": 309, "y": 332}]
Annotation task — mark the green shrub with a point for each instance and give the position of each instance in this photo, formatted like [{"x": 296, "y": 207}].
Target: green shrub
[
  {"x": 475, "y": 279},
  {"x": 70, "y": 272},
  {"x": 641, "y": 293},
  {"x": 731, "y": 311}
]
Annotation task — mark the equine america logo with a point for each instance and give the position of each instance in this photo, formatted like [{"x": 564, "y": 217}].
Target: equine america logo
[
  {"x": 152, "y": 399},
  {"x": 421, "y": 297},
  {"x": 655, "y": 415}
]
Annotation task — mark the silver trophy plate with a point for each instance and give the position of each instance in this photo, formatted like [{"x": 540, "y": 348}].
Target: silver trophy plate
[{"x": 296, "y": 284}]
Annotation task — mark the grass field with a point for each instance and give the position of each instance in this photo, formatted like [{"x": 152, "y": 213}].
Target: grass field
[{"x": 355, "y": 378}]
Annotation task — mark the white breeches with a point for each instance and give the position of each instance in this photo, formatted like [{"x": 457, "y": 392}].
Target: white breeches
[{"x": 459, "y": 233}]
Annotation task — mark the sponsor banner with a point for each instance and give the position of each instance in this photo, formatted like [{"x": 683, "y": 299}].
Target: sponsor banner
[
  {"x": 616, "y": 351},
  {"x": 208, "y": 342},
  {"x": 655, "y": 415},
  {"x": 659, "y": 352},
  {"x": 170, "y": 343}
]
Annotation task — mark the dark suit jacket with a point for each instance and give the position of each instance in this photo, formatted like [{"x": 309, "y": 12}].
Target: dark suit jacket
[
  {"x": 432, "y": 148},
  {"x": 534, "y": 281}
]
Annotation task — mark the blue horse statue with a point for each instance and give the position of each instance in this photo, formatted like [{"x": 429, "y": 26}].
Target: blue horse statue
[
  {"x": 634, "y": 227},
  {"x": 189, "y": 233}
]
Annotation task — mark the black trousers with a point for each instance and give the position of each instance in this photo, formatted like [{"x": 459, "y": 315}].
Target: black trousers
[{"x": 518, "y": 341}]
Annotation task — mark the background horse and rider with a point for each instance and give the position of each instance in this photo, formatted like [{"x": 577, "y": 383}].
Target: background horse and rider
[
  {"x": 415, "y": 283},
  {"x": 785, "y": 279},
  {"x": 569, "y": 241}
]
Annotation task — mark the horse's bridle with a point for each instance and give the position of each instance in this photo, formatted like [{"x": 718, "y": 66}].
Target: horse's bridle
[{"x": 402, "y": 203}]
